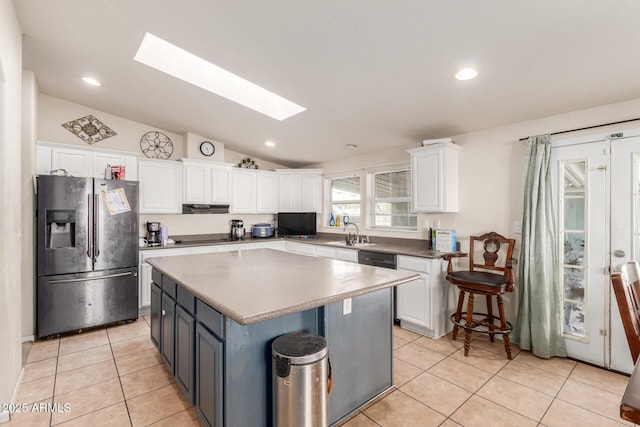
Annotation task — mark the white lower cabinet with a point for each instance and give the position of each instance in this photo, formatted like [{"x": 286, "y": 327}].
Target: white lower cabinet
[
  {"x": 144, "y": 277},
  {"x": 325, "y": 252},
  {"x": 425, "y": 304},
  {"x": 347, "y": 255},
  {"x": 301, "y": 248}
]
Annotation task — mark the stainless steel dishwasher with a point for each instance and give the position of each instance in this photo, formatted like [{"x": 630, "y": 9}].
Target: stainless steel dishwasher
[{"x": 384, "y": 260}]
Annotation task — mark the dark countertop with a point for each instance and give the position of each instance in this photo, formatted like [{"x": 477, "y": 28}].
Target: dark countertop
[
  {"x": 262, "y": 284},
  {"x": 408, "y": 247}
]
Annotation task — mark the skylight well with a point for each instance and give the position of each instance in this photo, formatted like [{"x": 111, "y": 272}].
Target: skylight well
[{"x": 179, "y": 63}]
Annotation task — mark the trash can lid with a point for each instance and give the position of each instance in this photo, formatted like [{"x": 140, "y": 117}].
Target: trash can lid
[{"x": 300, "y": 348}]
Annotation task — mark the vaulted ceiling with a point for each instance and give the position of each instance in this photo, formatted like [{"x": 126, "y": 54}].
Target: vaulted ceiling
[{"x": 374, "y": 73}]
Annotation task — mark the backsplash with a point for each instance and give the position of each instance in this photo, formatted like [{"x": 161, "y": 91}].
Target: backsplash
[{"x": 201, "y": 224}]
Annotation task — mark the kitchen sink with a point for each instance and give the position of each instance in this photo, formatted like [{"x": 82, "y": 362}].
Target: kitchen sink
[{"x": 355, "y": 245}]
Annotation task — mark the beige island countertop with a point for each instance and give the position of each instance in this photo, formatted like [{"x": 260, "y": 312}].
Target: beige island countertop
[{"x": 261, "y": 284}]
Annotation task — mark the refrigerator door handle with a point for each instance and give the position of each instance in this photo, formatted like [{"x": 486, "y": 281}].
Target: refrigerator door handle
[
  {"x": 89, "y": 227},
  {"x": 96, "y": 225},
  {"x": 88, "y": 279}
]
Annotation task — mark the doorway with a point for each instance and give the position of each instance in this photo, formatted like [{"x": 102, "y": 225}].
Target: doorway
[{"x": 596, "y": 183}]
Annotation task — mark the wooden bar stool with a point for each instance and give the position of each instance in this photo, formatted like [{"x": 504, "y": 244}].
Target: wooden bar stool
[{"x": 490, "y": 278}]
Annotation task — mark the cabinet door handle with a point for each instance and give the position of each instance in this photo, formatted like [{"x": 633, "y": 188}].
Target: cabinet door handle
[{"x": 164, "y": 312}]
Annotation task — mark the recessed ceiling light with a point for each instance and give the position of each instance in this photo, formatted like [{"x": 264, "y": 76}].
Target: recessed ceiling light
[
  {"x": 184, "y": 65},
  {"x": 465, "y": 74},
  {"x": 350, "y": 146},
  {"x": 91, "y": 81},
  {"x": 270, "y": 144}
]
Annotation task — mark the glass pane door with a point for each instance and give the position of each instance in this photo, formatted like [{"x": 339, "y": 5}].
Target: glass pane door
[
  {"x": 580, "y": 184},
  {"x": 573, "y": 208}
]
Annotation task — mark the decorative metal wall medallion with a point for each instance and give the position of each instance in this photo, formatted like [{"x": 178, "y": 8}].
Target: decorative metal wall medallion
[
  {"x": 89, "y": 129},
  {"x": 156, "y": 145}
]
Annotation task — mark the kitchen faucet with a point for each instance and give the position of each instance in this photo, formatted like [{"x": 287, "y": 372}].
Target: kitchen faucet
[{"x": 348, "y": 238}]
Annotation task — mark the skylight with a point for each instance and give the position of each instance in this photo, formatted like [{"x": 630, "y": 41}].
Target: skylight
[{"x": 184, "y": 65}]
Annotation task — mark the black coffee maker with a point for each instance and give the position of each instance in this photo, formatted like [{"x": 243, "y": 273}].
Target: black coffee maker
[
  {"x": 153, "y": 234},
  {"x": 237, "y": 229}
]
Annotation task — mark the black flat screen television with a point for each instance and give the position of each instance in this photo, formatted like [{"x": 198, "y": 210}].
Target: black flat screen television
[{"x": 297, "y": 224}]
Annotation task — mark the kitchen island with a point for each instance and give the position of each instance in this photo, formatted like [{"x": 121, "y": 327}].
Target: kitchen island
[{"x": 214, "y": 317}]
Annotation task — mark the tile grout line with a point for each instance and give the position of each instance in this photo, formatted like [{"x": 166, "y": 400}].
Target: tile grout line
[
  {"x": 55, "y": 379},
  {"x": 124, "y": 396},
  {"x": 554, "y": 397}
]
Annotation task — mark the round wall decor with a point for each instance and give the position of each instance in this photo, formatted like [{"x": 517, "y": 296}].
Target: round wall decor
[{"x": 156, "y": 145}]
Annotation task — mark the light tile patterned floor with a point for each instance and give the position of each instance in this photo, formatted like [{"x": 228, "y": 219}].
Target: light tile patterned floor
[
  {"x": 115, "y": 377},
  {"x": 436, "y": 385}
]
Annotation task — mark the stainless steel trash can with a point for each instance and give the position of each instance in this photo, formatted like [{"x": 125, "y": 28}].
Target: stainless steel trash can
[{"x": 301, "y": 376}]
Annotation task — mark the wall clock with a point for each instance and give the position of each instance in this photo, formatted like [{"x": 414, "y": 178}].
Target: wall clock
[
  {"x": 207, "y": 148},
  {"x": 156, "y": 145}
]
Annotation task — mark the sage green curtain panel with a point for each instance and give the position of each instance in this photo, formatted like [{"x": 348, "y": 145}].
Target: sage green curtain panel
[{"x": 538, "y": 327}]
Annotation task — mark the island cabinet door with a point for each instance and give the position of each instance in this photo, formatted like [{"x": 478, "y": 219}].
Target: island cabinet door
[
  {"x": 208, "y": 390},
  {"x": 167, "y": 343},
  {"x": 156, "y": 314},
  {"x": 185, "y": 351}
]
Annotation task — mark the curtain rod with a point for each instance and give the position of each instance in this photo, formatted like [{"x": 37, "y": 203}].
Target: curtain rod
[{"x": 588, "y": 127}]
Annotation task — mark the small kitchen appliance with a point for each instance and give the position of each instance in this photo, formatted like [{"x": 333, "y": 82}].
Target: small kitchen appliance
[
  {"x": 262, "y": 230},
  {"x": 153, "y": 233},
  {"x": 237, "y": 229}
]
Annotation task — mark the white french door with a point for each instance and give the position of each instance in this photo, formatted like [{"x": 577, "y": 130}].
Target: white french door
[
  {"x": 579, "y": 176},
  {"x": 625, "y": 236},
  {"x": 596, "y": 202}
]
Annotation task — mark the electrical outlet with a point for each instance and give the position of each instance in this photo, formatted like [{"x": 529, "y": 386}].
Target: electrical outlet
[
  {"x": 346, "y": 306},
  {"x": 436, "y": 224},
  {"x": 426, "y": 224}
]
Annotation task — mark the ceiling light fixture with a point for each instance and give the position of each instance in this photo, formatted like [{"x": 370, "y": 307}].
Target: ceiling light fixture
[
  {"x": 350, "y": 146},
  {"x": 270, "y": 144},
  {"x": 184, "y": 65},
  {"x": 91, "y": 81},
  {"x": 465, "y": 74}
]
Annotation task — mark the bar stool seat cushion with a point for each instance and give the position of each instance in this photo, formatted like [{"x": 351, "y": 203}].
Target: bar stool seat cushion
[{"x": 479, "y": 277}]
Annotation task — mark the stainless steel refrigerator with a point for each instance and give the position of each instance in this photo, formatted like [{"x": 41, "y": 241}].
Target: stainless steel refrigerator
[{"x": 87, "y": 253}]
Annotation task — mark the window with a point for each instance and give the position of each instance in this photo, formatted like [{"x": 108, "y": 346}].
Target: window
[
  {"x": 392, "y": 200},
  {"x": 345, "y": 197}
]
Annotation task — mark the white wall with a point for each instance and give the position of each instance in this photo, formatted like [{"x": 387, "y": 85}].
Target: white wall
[
  {"x": 29, "y": 130},
  {"x": 491, "y": 168},
  {"x": 10, "y": 196},
  {"x": 53, "y": 112}
]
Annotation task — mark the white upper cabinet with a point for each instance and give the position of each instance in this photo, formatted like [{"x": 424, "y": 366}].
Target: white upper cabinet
[
  {"x": 243, "y": 193},
  {"x": 253, "y": 191},
  {"x": 160, "y": 186},
  {"x": 197, "y": 183},
  {"x": 206, "y": 183},
  {"x": 75, "y": 162},
  {"x": 102, "y": 159},
  {"x": 266, "y": 192},
  {"x": 83, "y": 162},
  {"x": 299, "y": 190},
  {"x": 434, "y": 178},
  {"x": 221, "y": 184}
]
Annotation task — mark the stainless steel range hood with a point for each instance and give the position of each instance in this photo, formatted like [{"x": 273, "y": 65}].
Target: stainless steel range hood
[{"x": 199, "y": 208}]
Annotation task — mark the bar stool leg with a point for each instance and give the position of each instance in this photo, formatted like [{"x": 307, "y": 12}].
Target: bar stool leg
[
  {"x": 468, "y": 324},
  {"x": 458, "y": 315},
  {"x": 490, "y": 324},
  {"x": 503, "y": 322}
]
